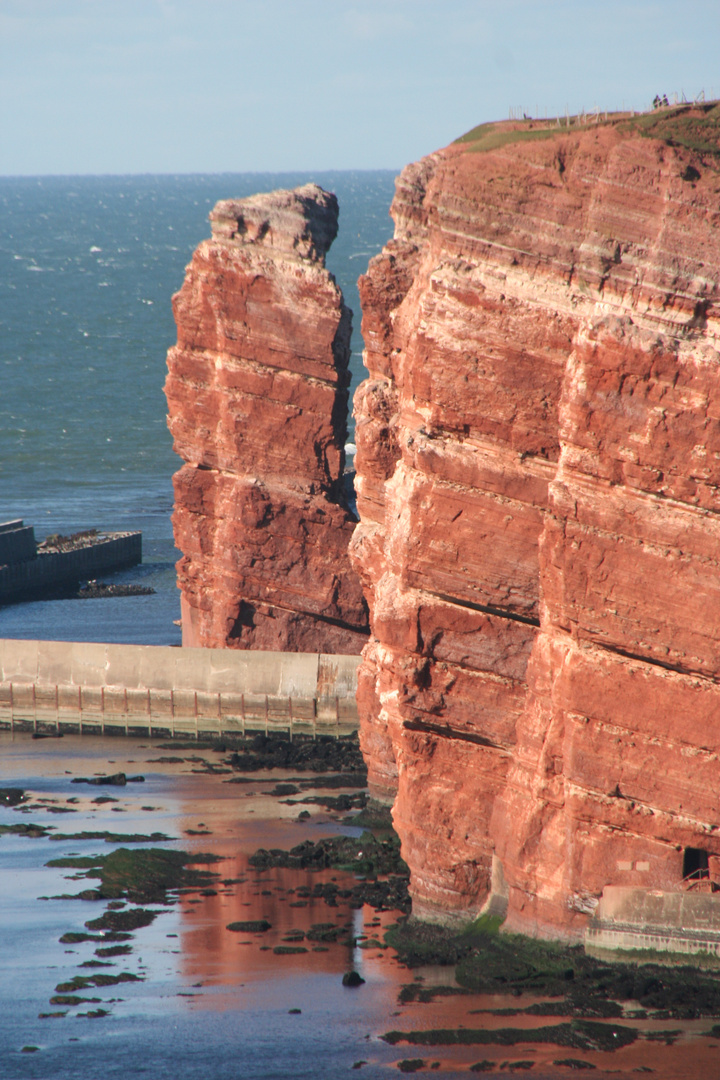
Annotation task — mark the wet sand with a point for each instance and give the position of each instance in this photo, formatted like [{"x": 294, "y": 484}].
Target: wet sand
[{"x": 216, "y": 1002}]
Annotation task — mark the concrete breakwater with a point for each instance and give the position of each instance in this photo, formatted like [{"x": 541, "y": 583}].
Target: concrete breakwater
[
  {"x": 77, "y": 686},
  {"x": 31, "y": 574}
]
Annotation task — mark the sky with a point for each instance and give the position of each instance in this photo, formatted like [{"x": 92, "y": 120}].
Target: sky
[{"x": 204, "y": 86}]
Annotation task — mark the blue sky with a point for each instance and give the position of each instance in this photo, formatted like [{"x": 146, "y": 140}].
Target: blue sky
[{"x": 128, "y": 86}]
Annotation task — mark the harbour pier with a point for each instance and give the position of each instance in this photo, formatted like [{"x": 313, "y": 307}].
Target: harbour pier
[{"x": 58, "y": 686}]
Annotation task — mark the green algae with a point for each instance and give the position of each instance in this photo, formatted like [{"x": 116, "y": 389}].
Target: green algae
[
  {"x": 485, "y": 960},
  {"x": 578, "y": 1035},
  {"x": 84, "y": 982},
  {"x": 143, "y": 875},
  {"x": 250, "y": 926},
  {"x": 123, "y": 920}
]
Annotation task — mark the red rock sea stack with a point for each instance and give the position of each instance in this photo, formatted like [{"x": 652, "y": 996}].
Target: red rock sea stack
[
  {"x": 257, "y": 393},
  {"x": 539, "y": 492}
]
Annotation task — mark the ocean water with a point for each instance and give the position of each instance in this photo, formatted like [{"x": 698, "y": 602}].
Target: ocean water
[
  {"x": 212, "y": 1003},
  {"x": 88, "y": 266}
]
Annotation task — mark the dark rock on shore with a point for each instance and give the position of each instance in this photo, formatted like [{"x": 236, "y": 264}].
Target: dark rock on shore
[
  {"x": 116, "y": 779},
  {"x": 97, "y": 590},
  {"x": 352, "y": 979},
  {"x": 318, "y": 755},
  {"x": 585, "y": 987},
  {"x": 251, "y": 926},
  {"x": 123, "y": 920},
  {"x": 141, "y": 876},
  {"x": 13, "y": 796},
  {"x": 365, "y": 854}
]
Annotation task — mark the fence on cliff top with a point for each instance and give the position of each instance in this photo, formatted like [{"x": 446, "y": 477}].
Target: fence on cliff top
[
  {"x": 594, "y": 115},
  {"x": 80, "y": 686}
]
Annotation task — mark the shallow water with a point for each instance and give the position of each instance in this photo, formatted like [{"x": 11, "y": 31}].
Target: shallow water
[{"x": 215, "y": 1003}]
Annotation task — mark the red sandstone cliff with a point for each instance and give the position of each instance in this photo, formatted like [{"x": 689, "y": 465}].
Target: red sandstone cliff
[
  {"x": 538, "y": 485},
  {"x": 257, "y": 393}
]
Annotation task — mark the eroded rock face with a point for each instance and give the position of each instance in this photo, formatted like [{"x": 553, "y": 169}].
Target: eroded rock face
[
  {"x": 257, "y": 401},
  {"x": 538, "y": 466}
]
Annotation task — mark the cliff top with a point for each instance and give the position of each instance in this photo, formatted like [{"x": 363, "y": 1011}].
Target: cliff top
[
  {"x": 693, "y": 126},
  {"x": 301, "y": 222}
]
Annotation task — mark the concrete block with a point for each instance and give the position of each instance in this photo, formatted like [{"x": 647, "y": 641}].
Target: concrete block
[
  {"x": 160, "y": 704},
  {"x": 92, "y": 699},
  {"x": 229, "y": 670},
  {"x": 298, "y": 674},
  {"x": 255, "y": 707},
  {"x": 193, "y": 669},
  {"x": 54, "y": 661},
  {"x": 337, "y": 675},
  {"x": 69, "y": 698},
  {"x": 131, "y": 664},
  {"x": 231, "y": 704},
  {"x": 88, "y": 664},
  {"x": 114, "y": 701},
  {"x": 184, "y": 703},
  {"x": 279, "y": 709},
  {"x": 208, "y": 705},
  {"x": 18, "y": 660},
  {"x": 138, "y": 704},
  {"x": 303, "y": 709},
  {"x": 157, "y": 667},
  {"x": 23, "y": 695}
]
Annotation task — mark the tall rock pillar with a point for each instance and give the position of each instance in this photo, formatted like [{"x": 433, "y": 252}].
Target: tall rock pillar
[{"x": 257, "y": 393}]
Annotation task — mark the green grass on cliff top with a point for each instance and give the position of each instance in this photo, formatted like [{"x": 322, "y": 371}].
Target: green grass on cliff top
[{"x": 696, "y": 127}]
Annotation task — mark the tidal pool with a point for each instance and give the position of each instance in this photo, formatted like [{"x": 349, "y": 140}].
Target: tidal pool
[{"x": 212, "y": 1002}]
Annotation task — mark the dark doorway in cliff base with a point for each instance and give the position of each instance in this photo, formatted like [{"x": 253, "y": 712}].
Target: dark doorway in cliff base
[
  {"x": 245, "y": 619},
  {"x": 695, "y": 864}
]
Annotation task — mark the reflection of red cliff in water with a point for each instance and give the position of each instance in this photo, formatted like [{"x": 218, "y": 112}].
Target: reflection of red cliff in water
[
  {"x": 211, "y": 951},
  {"x": 539, "y": 485}
]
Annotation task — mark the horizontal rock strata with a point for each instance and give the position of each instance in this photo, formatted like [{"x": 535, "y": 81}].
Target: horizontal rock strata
[
  {"x": 538, "y": 466},
  {"x": 257, "y": 392}
]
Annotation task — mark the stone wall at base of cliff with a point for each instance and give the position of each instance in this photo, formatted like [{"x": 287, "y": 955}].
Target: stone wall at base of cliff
[
  {"x": 257, "y": 392},
  {"x": 538, "y": 471}
]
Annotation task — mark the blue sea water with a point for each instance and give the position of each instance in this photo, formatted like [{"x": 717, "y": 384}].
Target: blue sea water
[{"x": 88, "y": 266}]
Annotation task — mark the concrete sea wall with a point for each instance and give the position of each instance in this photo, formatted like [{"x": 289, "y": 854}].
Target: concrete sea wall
[
  {"x": 79, "y": 685},
  {"x": 52, "y": 570}
]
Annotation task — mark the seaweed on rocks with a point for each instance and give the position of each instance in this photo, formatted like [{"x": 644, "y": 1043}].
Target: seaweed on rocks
[
  {"x": 578, "y": 1035},
  {"x": 116, "y": 780},
  {"x": 341, "y": 803},
  {"x": 250, "y": 926},
  {"x": 142, "y": 875},
  {"x": 490, "y": 962},
  {"x": 365, "y": 854},
  {"x": 323, "y": 754},
  {"x": 34, "y": 831},
  {"x": 73, "y": 937},
  {"x": 84, "y": 982},
  {"x": 146, "y": 875},
  {"x": 114, "y": 950},
  {"x": 113, "y": 838},
  {"x": 133, "y": 919}
]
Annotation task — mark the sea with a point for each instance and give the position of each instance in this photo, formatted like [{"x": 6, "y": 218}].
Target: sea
[{"x": 88, "y": 268}]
